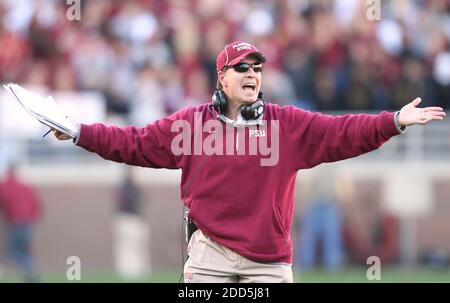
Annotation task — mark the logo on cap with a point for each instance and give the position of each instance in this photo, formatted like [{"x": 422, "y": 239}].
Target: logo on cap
[{"x": 242, "y": 46}]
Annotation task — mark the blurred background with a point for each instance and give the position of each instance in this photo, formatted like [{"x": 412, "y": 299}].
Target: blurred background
[{"x": 132, "y": 62}]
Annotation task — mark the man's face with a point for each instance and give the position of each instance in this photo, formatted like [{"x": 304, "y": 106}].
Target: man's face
[{"x": 241, "y": 87}]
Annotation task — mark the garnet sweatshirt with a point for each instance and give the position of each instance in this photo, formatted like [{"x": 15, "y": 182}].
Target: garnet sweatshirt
[
  {"x": 19, "y": 201},
  {"x": 233, "y": 197}
]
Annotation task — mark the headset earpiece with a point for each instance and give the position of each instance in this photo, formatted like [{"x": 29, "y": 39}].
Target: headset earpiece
[
  {"x": 252, "y": 111},
  {"x": 255, "y": 110},
  {"x": 219, "y": 101}
]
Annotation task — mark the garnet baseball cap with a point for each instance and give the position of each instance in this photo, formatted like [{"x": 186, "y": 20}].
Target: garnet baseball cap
[{"x": 235, "y": 52}]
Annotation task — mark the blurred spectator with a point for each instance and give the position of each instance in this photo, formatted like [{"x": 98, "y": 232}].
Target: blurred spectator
[
  {"x": 131, "y": 247},
  {"x": 371, "y": 232},
  {"x": 129, "y": 196},
  {"x": 320, "y": 237},
  {"x": 21, "y": 209},
  {"x": 410, "y": 83},
  {"x": 147, "y": 103},
  {"x": 13, "y": 54},
  {"x": 435, "y": 258}
]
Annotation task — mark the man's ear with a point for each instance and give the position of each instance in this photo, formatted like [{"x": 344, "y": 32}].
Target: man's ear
[{"x": 221, "y": 78}]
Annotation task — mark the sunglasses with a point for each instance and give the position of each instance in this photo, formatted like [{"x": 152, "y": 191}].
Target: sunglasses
[{"x": 244, "y": 67}]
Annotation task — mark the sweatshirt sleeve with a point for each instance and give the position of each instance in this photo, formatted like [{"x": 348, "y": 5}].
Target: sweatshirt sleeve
[
  {"x": 319, "y": 138},
  {"x": 148, "y": 146}
]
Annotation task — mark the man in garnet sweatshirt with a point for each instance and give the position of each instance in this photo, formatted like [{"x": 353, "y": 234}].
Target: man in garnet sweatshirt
[
  {"x": 239, "y": 158},
  {"x": 21, "y": 209}
]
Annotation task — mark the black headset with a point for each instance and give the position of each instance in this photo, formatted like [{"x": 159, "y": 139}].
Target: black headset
[{"x": 248, "y": 111}]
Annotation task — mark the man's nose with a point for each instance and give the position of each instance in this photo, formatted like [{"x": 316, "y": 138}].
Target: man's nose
[{"x": 251, "y": 71}]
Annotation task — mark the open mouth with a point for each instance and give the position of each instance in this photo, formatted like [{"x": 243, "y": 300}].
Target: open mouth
[{"x": 249, "y": 87}]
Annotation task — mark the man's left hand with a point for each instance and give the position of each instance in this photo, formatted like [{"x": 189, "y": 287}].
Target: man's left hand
[{"x": 410, "y": 114}]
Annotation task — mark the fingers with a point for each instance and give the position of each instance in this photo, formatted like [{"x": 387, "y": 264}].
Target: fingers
[
  {"x": 430, "y": 116},
  {"x": 416, "y": 102},
  {"x": 435, "y": 114},
  {"x": 60, "y": 135},
  {"x": 440, "y": 114},
  {"x": 433, "y": 109},
  {"x": 434, "y": 118}
]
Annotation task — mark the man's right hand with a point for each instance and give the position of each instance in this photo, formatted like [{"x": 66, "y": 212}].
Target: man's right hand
[{"x": 60, "y": 135}]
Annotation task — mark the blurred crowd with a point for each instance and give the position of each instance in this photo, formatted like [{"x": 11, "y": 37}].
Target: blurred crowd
[{"x": 149, "y": 58}]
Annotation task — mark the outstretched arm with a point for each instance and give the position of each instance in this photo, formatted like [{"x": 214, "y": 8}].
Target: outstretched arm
[
  {"x": 147, "y": 146},
  {"x": 325, "y": 138}
]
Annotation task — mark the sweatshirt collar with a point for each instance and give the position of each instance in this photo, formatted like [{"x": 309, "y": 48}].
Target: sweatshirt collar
[{"x": 240, "y": 121}]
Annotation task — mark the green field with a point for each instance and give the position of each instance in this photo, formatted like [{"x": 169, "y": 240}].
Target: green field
[{"x": 351, "y": 275}]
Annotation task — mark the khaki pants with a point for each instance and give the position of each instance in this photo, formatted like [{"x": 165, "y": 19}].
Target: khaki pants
[{"x": 210, "y": 262}]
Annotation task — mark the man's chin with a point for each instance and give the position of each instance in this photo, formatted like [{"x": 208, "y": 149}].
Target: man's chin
[{"x": 249, "y": 99}]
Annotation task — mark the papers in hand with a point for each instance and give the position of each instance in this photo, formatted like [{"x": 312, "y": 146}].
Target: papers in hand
[{"x": 43, "y": 109}]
